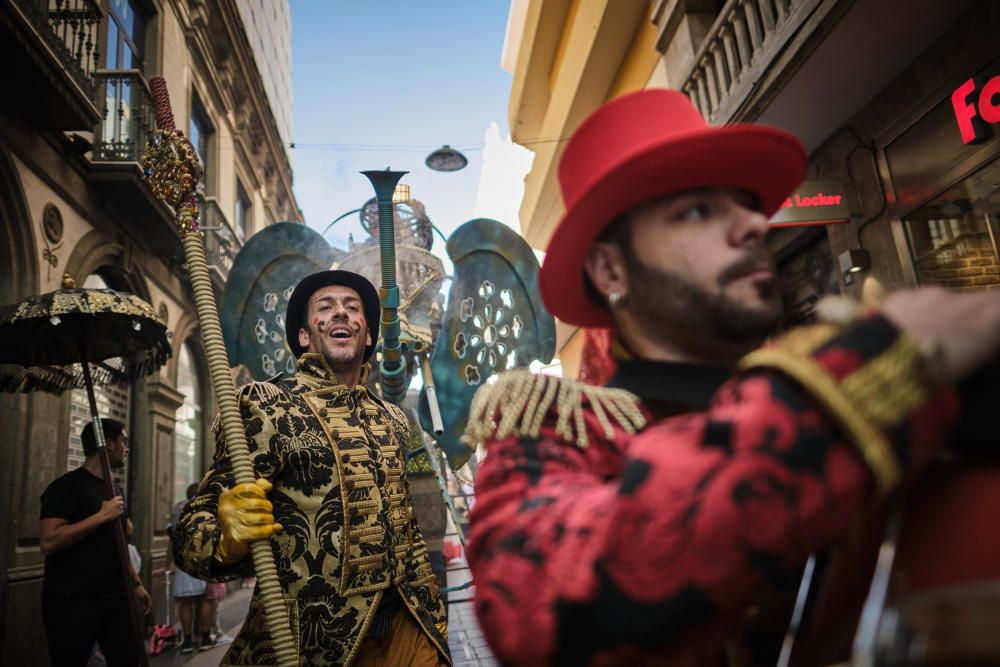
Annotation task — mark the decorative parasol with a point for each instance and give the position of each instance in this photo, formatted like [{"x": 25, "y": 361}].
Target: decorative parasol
[
  {"x": 70, "y": 338},
  {"x": 41, "y": 340},
  {"x": 172, "y": 168}
]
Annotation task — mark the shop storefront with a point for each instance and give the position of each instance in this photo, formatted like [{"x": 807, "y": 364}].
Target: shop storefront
[
  {"x": 942, "y": 168},
  {"x": 918, "y": 157}
]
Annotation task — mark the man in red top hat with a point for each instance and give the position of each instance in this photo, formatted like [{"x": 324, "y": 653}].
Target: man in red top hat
[{"x": 635, "y": 527}]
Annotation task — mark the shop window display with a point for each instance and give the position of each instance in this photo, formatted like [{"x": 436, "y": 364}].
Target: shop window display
[{"x": 953, "y": 238}]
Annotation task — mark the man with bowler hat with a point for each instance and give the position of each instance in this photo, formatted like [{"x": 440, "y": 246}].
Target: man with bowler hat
[
  {"x": 331, "y": 497},
  {"x": 633, "y": 524}
]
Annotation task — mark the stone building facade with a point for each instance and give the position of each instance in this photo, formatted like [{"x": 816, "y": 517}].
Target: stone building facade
[{"x": 73, "y": 121}]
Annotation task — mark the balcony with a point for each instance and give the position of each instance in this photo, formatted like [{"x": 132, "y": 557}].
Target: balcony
[
  {"x": 50, "y": 52},
  {"x": 735, "y": 66},
  {"x": 221, "y": 244},
  {"x": 126, "y": 122},
  {"x": 127, "y": 113},
  {"x": 808, "y": 66}
]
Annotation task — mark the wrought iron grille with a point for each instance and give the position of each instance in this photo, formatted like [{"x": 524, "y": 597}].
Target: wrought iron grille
[
  {"x": 221, "y": 244},
  {"x": 70, "y": 29},
  {"x": 127, "y": 111}
]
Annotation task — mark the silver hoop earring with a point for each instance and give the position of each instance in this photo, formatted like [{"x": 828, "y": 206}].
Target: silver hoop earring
[{"x": 615, "y": 299}]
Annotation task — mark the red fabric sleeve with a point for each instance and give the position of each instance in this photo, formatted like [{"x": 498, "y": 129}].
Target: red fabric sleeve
[{"x": 591, "y": 556}]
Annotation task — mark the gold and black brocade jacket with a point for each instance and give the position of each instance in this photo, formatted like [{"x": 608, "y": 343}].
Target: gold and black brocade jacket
[{"x": 334, "y": 456}]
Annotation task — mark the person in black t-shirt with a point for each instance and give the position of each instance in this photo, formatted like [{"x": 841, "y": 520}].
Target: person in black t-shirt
[{"x": 83, "y": 599}]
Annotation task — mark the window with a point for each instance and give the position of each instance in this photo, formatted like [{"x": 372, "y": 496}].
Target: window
[
  {"x": 806, "y": 275},
  {"x": 112, "y": 401},
  {"x": 200, "y": 134},
  {"x": 126, "y": 35},
  {"x": 126, "y": 29},
  {"x": 244, "y": 220},
  {"x": 188, "y": 426},
  {"x": 953, "y": 238}
]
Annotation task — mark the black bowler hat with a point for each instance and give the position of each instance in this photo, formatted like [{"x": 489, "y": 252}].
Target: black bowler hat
[{"x": 299, "y": 302}]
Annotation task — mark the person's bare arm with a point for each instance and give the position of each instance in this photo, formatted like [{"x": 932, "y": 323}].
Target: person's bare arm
[
  {"x": 145, "y": 599},
  {"x": 57, "y": 533}
]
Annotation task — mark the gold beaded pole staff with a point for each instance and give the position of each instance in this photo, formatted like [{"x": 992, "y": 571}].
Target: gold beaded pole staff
[{"x": 171, "y": 165}]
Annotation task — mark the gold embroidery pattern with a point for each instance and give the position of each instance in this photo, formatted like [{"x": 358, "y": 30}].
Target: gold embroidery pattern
[{"x": 342, "y": 545}]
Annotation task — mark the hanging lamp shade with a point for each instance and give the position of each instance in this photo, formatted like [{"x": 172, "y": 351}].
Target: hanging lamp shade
[{"x": 446, "y": 158}]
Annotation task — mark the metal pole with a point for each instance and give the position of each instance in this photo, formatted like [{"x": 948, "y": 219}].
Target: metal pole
[
  {"x": 430, "y": 393},
  {"x": 866, "y": 646},
  {"x": 337, "y": 219},
  {"x": 118, "y": 529}
]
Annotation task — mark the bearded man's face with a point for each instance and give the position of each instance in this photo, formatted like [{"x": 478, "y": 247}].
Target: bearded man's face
[
  {"x": 697, "y": 267},
  {"x": 336, "y": 327}
]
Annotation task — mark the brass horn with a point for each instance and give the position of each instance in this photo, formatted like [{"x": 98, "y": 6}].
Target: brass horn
[{"x": 392, "y": 368}]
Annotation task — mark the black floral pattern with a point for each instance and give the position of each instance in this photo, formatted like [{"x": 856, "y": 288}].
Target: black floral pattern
[{"x": 331, "y": 597}]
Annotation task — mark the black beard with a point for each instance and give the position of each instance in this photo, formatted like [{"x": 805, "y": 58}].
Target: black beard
[{"x": 667, "y": 303}]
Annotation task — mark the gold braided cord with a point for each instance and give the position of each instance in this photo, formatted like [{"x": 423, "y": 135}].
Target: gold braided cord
[
  {"x": 519, "y": 401},
  {"x": 284, "y": 644},
  {"x": 550, "y": 390},
  {"x": 534, "y": 400},
  {"x": 842, "y": 408},
  {"x": 563, "y": 422}
]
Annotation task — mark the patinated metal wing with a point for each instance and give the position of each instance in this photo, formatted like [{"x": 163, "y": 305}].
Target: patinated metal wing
[
  {"x": 255, "y": 299},
  {"x": 495, "y": 320}
]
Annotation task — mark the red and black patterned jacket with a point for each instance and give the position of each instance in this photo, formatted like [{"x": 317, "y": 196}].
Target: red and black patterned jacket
[{"x": 605, "y": 536}]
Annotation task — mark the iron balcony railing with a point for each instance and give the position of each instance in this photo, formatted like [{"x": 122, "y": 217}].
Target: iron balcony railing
[
  {"x": 127, "y": 111},
  {"x": 221, "y": 244},
  {"x": 744, "y": 39},
  {"x": 70, "y": 30}
]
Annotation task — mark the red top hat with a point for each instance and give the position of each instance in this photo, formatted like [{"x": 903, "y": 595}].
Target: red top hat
[{"x": 642, "y": 146}]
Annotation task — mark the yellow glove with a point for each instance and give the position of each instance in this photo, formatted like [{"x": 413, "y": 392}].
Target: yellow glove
[
  {"x": 442, "y": 627},
  {"x": 245, "y": 515}
]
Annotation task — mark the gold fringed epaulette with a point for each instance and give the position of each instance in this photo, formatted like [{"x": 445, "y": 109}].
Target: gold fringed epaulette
[
  {"x": 256, "y": 391},
  {"x": 260, "y": 392},
  {"x": 518, "y": 402}
]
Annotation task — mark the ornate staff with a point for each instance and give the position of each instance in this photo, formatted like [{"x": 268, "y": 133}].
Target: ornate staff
[{"x": 171, "y": 165}]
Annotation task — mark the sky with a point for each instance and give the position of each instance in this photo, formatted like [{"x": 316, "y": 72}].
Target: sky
[{"x": 383, "y": 83}]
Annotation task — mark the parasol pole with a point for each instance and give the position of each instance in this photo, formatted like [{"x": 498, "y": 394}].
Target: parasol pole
[
  {"x": 135, "y": 617},
  {"x": 172, "y": 167}
]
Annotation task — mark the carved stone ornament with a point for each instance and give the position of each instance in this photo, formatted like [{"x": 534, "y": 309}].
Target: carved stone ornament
[{"x": 52, "y": 223}]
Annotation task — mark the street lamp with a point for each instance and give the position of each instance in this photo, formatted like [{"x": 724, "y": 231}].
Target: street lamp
[{"x": 446, "y": 158}]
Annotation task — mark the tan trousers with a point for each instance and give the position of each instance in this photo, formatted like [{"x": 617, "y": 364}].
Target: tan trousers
[{"x": 406, "y": 646}]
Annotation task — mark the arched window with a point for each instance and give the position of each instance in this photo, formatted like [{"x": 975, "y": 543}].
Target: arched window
[
  {"x": 112, "y": 401},
  {"x": 188, "y": 429}
]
